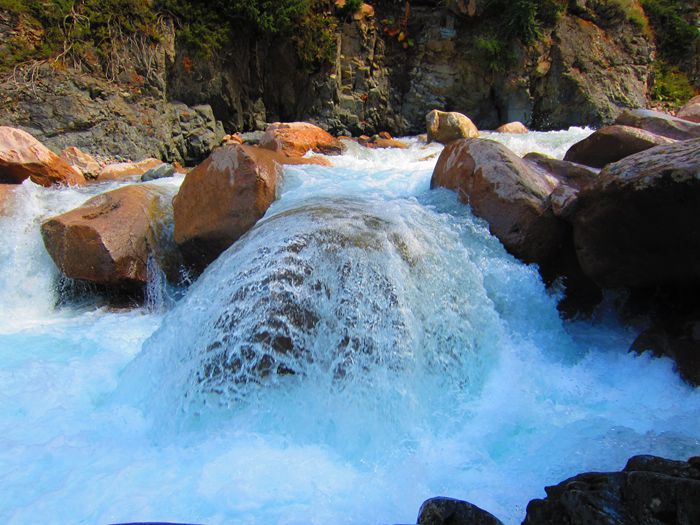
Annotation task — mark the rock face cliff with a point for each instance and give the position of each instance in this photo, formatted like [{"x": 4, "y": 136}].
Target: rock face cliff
[{"x": 583, "y": 69}]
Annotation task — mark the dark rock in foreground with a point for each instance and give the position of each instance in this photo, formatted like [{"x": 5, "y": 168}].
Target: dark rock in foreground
[
  {"x": 648, "y": 491},
  {"x": 448, "y": 511}
]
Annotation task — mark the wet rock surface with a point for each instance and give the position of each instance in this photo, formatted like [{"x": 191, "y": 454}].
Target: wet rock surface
[
  {"x": 649, "y": 490},
  {"x": 109, "y": 239},
  {"x": 507, "y": 192},
  {"x": 448, "y": 511}
]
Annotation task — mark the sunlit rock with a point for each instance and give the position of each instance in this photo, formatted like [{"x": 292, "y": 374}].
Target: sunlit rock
[
  {"x": 22, "y": 157},
  {"x": 295, "y": 139},
  {"x": 445, "y": 127},
  {"x": 507, "y": 192},
  {"x": 109, "y": 239}
]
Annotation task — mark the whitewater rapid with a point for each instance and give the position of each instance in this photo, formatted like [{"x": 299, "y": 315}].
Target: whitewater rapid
[{"x": 414, "y": 358}]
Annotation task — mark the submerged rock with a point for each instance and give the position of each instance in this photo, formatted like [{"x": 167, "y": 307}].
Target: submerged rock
[
  {"x": 445, "y": 127},
  {"x": 123, "y": 170},
  {"x": 162, "y": 171},
  {"x": 295, "y": 139},
  {"x": 691, "y": 111},
  {"x": 448, "y": 511},
  {"x": 109, "y": 239},
  {"x": 613, "y": 143},
  {"x": 649, "y": 490},
  {"x": 637, "y": 225},
  {"x": 507, "y": 192},
  {"x": 22, "y": 157},
  {"x": 660, "y": 123}
]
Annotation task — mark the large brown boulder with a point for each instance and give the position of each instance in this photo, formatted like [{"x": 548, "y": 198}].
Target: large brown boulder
[
  {"x": 22, "y": 157},
  {"x": 81, "y": 162},
  {"x": 109, "y": 239},
  {"x": 691, "y": 111},
  {"x": 613, "y": 143},
  {"x": 223, "y": 198},
  {"x": 638, "y": 224},
  {"x": 660, "y": 123},
  {"x": 511, "y": 195},
  {"x": 445, "y": 127},
  {"x": 295, "y": 139}
]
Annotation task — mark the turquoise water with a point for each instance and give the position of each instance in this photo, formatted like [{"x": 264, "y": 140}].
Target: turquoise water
[{"x": 416, "y": 358}]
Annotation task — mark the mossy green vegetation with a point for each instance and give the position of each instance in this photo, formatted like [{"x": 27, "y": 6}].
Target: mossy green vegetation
[
  {"x": 678, "y": 42},
  {"x": 89, "y": 28}
]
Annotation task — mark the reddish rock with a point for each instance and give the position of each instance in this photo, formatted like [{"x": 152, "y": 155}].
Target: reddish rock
[
  {"x": 691, "y": 111},
  {"x": 22, "y": 157},
  {"x": 109, "y": 239},
  {"x": 295, "y": 139},
  {"x": 507, "y": 192},
  {"x": 385, "y": 135},
  {"x": 87, "y": 166},
  {"x": 124, "y": 170},
  {"x": 445, "y": 127},
  {"x": 613, "y": 143},
  {"x": 513, "y": 127},
  {"x": 637, "y": 225},
  {"x": 382, "y": 143},
  {"x": 660, "y": 124},
  {"x": 221, "y": 199}
]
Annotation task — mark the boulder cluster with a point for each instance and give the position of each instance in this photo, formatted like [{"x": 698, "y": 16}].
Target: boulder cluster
[
  {"x": 618, "y": 213},
  {"x": 113, "y": 238}
]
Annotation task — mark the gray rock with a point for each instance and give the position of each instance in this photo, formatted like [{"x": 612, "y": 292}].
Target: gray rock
[
  {"x": 448, "y": 511},
  {"x": 159, "y": 172}
]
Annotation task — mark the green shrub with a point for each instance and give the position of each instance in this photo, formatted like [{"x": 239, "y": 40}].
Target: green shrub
[
  {"x": 492, "y": 52},
  {"x": 671, "y": 85},
  {"x": 676, "y": 36}
]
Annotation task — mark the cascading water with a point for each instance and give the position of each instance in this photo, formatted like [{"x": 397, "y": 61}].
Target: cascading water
[{"x": 366, "y": 346}]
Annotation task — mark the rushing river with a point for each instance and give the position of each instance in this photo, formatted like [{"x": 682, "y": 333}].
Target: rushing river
[{"x": 415, "y": 358}]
